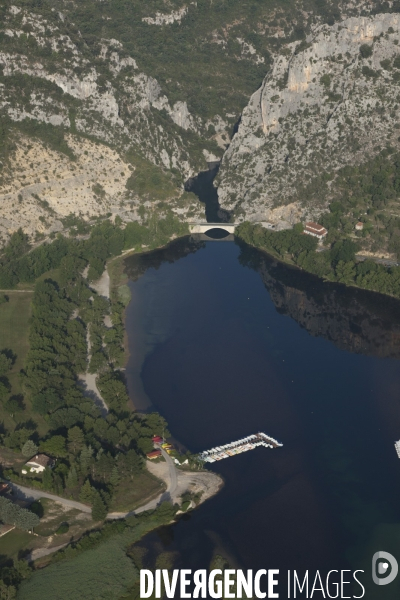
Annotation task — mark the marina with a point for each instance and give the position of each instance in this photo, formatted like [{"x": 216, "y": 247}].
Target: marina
[{"x": 243, "y": 445}]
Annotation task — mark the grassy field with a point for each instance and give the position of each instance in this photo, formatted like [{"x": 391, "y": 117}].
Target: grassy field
[
  {"x": 100, "y": 574},
  {"x": 145, "y": 488},
  {"x": 14, "y": 543},
  {"x": 17, "y": 543}
]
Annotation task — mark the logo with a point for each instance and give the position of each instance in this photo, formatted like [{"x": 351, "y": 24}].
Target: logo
[{"x": 384, "y": 568}]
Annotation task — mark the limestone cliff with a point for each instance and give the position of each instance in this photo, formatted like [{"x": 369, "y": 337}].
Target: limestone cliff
[{"x": 327, "y": 102}]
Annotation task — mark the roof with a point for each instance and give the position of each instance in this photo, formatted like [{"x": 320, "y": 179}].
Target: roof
[
  {"x": 315, "y": 228},
  {"x": 39, "y": 459},
  {"x": 153, "y": 454},
  {"x": 4, "y": 487},
  {"x": 359, "y": 224}
]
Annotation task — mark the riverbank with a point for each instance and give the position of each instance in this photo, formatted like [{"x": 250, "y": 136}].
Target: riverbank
[
  {"x": 336, "y": 265},
  {"x": 204, "y": 484},
  {"x": 119, "y": 291}
]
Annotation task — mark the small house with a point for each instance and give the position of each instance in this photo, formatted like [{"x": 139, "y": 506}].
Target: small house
[
  {"x": 38, "y": 464},
  {"x": 154, "y": 454},
  {"x": 157, "y": 439},
  {"x": 315, "y": 229},
  {"x": 359, "y": 226}
]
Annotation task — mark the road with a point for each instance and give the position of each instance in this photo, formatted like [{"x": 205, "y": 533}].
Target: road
[
  {"x": 41, "y": 552},
  {"x": 172, "y": 483},
  {"x": 25, "y": 493},
  {"x": 173, "y": 474},
  {"x": 387, "y": 262}
]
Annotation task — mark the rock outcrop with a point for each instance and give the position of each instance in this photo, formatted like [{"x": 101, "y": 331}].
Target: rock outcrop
[
  {"x": 327, "y": 102},
  {"x": 109, "y": 96}
]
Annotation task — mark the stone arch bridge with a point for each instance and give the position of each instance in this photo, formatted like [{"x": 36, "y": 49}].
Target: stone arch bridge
[{"x": 205, "y": 227}]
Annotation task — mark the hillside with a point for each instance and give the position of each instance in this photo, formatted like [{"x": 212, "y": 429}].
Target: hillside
[
  {"x": 162, "y": 84},
  {"x": 323, "y": 129}
]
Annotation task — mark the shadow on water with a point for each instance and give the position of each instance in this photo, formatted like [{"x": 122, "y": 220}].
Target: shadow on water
[
  {"x": 236, "y": 342},
  {"x": 218, "y": 234},
  {"x": 203, "y": 187}
]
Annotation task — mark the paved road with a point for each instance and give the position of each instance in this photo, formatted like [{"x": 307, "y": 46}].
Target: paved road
[{"x": 30, "y": 494}]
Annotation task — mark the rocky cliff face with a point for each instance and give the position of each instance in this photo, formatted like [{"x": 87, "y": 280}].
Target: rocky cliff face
[
  {"x": 163, "y": 83},
  {"x": 109, "y": 97},
  {"x": 326, "y": 103},
  {"x": 102, "y": 108}
]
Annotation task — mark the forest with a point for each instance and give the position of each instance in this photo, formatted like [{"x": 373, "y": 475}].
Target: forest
[
  {"x": 98, "y": 457},
  {"x": 337, "y": 263},
  {"x": 368, "y": 193}
]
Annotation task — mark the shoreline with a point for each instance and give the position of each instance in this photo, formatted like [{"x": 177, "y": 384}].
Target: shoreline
[
  {"x": 269, "y": 254},
  {"x": 291, "y": 264},
  {"x": 206, "y": 482}
]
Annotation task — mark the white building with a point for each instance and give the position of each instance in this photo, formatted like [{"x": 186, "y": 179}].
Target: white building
[
  {"x": 315, "y": 229},
  {"x": 38, "y": 464}
]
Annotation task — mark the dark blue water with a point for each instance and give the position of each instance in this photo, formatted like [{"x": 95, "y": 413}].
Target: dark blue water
[{"x": 229, "y": 343}]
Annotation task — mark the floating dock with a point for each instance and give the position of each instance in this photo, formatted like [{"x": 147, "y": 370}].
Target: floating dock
[
  {"x": 397, "y": 446},
  {"x": 244, "y": 445}
]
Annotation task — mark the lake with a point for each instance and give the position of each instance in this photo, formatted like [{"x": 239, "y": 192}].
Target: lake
[{"x": 225, "y": 342}]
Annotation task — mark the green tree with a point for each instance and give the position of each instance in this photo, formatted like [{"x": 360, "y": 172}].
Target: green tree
[
  {"x": 22, "y": 568},
  {"x": 86, "y": 493},
  {"x": 103, "y": 467},
  {"x": 47, "y": 479},
  {"x": 46, "y": 401},
  {"x": 85, "y": 458},
  {"x": 29, "y": 448},
  {"x": 7, "y": 592},
  {"x": 5, "y": 389},
  {"x": 17, "y": 245},
  {"x": 55, "y": 446},
  {"x": 366, "y": 50},
  {"x": 345, "y": 272},
  {"x": 72, "y": 479},
  {"x": 75, "y": 440},
  {"x": 13, "y": 405},
  {"x": 99, "y": 509},
  {"x": 130, "y": 464},
  {"x": 6, "y": 363},
  {"x": 12, "y": 514},
  {"x": 165, "y": 511},
  {"x": 344, "y": 250},
  {"x": 115, "y": 478}
]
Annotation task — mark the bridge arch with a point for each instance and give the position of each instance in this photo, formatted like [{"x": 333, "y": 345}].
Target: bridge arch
[{"x": 205, "y": 227}]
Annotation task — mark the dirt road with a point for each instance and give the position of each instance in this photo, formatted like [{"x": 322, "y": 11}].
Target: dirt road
[{"x": 25, "y": 493}]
